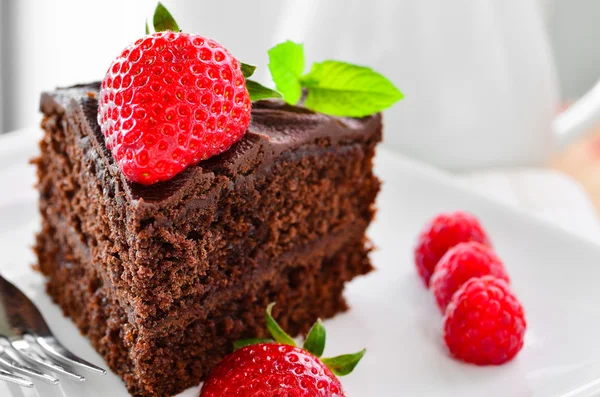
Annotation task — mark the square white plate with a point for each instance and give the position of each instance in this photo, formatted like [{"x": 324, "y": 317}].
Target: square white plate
[{"x": 556, "y": 275}]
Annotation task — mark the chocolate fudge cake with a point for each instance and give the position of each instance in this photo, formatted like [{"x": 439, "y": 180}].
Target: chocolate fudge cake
[{"x": 163, "y": 278}]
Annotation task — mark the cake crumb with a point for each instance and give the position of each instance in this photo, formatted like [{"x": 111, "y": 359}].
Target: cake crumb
[{"x": 91, "y": 94}]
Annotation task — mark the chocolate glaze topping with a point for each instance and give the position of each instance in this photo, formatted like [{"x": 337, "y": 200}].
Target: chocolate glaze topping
[{"x": 275, "y": 128}]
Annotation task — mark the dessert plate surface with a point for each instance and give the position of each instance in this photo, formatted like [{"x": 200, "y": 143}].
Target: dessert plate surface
[{"x": 556, "y": 275}]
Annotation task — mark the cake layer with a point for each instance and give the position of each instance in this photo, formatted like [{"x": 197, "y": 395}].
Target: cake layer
[
  {"x": 164, "y": 278},
  {"x": 177, "y": 358}
]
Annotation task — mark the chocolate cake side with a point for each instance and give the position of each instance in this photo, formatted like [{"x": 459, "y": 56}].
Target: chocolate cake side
[{"x": 163, "y": 278}]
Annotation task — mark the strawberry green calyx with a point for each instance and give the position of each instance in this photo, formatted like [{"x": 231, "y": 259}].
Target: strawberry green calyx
[
  {"x": 315, "y": 340},
  {"x": 163, "y": 20},
  {"x": 276, "y": 331},
  {"x": 256, "y": 90},
  {"x": 344, "y": 364},
  {"x": 248, "y": 70},
  {"x": 313, "y": 344}
]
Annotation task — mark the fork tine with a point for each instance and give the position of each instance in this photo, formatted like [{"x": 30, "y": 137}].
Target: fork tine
[
  {"x": 8, "y": 361},
  {"x": 28, "y": 353},
  {"x": 17, "y": 380},
  {"x": 59, "y": 352}
]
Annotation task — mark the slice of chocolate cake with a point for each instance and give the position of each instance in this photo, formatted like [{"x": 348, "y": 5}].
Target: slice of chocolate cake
[{"x": 163, "y": 278}]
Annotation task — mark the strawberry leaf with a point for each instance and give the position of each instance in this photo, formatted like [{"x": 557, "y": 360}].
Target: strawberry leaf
[
  {"x": 258, "y": 91},
  {"x": 286, "y": 62},
  {"x": 238, "y": 344},
  {"x": 247, "y": 70},
  {"x": 343, "y": 89},
  {"x": 163, "y": 20},
  {"x": 315, "y": 341},
  {"x": 276, "y": 332},
  {"x": 343, "y": 365},
  {"x": 147, "y": 27}
]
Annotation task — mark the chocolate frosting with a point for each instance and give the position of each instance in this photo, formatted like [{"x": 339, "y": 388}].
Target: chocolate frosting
[{"x": 276, "y": 128}]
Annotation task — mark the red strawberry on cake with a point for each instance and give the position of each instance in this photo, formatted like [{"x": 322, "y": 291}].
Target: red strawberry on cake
[{"x": 170, "y": 100}]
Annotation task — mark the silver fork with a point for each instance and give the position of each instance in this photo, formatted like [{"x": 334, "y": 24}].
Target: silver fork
[{"x": 26, "y": 343}]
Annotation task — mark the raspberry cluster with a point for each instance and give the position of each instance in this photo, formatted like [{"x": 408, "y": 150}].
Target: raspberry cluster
[{"x": 484, "y": 322}]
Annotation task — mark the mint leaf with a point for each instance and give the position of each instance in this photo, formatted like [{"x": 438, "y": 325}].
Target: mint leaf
[
  {"x": 343, "y": 365},
  {"x": 315, "y": 341},
  {"x": 147, "y": 27},
  {"x": 286, "y": 62},
  {"x": 258, "y": 91},
  {"x": 247, "y": 70},
  {"x": 343, "y": 89},
  {"x": 238, "y": 344},
  {"x": 278, "y": 334},
  {"x": 163, "y": 20}
]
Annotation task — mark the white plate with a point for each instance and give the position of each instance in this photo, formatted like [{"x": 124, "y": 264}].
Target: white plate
[{"x": 556, "y": 275}]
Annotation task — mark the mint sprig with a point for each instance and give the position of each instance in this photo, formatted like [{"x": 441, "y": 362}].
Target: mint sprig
[
  {"x": 343, "y": 89},
  {"x": 286, "y": 63},
  {"x": 332, "y": 87},
  {"x": 314, "y": 344}
]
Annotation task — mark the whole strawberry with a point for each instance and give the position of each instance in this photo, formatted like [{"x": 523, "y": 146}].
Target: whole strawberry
[
  {"x": 484, "y": 322},
  {"x": 170, "y": 100},
  {"x": 442, "y": 233},
  {"x": 459, "y": 264},
  {"x": 280, "y": 369}
]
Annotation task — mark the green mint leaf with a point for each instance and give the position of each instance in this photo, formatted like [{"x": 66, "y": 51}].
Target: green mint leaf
[
  {"x": 247, "y": 70},
  {"x": 163, "y": 20},
  {"x": 238, "y": 344},
  {"x": 343, "y": 89},
  {"x": 315, "y": 341},
  {"x": 278, "y": 334},
  {"x": 286, "y": 62},
  {"x": 343, "y": 365},
  {"x": 147, "y": 27},
  {"x": 258, "y": 91}
]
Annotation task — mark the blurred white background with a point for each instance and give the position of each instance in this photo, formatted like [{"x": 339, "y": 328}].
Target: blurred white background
[{"x": 60, "y": 42}]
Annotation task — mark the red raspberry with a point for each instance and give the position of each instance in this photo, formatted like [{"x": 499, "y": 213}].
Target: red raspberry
[
  {"x": 484, "y": 322},
  {"x": 442, "y": 233},
  {"x": 169, "y": 101},
  {"x": 459, "y": 264},
  {"x": 269, "y": 370}
]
